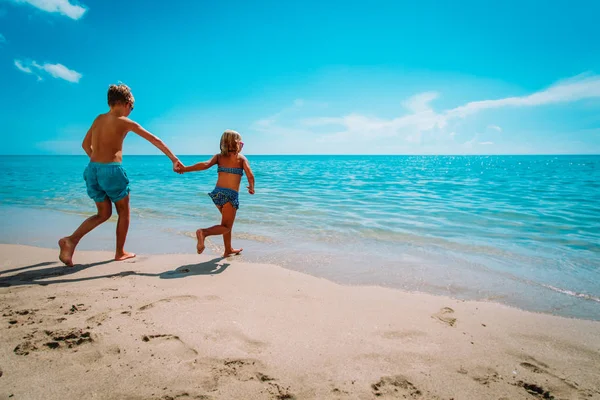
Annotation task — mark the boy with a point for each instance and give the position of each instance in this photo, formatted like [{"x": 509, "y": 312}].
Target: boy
[{"x": 105, "y": 178}]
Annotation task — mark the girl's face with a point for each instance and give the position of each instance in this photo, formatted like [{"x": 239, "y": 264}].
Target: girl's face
[{"x": 240, "y": 145}]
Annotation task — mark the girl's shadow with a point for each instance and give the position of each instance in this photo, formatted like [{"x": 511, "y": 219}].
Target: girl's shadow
[{"x": 212, "y": 267}]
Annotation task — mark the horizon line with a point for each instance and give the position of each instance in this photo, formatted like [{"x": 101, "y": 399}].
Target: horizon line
[{"x": 315, "y": 155}]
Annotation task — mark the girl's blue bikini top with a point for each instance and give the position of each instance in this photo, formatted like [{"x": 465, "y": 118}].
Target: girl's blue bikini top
[{"x": 237, "y": 171}]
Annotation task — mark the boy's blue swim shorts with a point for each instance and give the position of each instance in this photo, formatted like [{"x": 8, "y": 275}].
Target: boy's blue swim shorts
[{"x": 106, "y": 179}]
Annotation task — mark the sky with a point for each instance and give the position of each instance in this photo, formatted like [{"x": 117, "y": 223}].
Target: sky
[{"x": 309, "y": 77}]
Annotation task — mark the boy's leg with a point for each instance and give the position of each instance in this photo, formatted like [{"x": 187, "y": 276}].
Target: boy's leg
[
  {"x": 68, "y": 244},
  {"x": 227, "y": 218},
  {"x": 122, "y": 207}
]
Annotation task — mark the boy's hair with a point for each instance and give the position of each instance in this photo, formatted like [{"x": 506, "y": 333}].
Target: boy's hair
[
  {"x": 229, "y": 141},
  {"x": 119, "y": 94}
]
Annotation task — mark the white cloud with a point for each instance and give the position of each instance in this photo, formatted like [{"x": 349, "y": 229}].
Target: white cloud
[
  {"x": 54, "y": 70},
  {"x": 577, "y": 88},
  {"x": 62, "y": 72},
  {"x": 23, "y": 68},
  {"x": 64, "y": 7},
  {"x": 422, "y": 119},
  {"x": 420, "y": 127},
  {"x": 420, "y": 102}
]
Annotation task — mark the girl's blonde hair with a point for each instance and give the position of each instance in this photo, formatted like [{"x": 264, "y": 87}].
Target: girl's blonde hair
[{"x": 229, "y": 142}]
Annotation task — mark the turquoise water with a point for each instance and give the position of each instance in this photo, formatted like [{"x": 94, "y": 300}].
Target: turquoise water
[{"x": 522, "y": 230}]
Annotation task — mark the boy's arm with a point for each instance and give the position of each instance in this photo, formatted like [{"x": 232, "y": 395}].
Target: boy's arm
[
  {"x": 87, "y": 142},
  {"x": 249, "y": 175},
  {"x": 201, "y": 166},
  {"x": 159, "y": 144}
]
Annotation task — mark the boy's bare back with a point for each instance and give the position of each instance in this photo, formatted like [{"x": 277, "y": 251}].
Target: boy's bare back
[{"x": 107, "y": 134}]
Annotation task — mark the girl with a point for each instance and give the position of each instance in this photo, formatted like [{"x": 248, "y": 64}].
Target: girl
[{"x": 232, "y": 166}]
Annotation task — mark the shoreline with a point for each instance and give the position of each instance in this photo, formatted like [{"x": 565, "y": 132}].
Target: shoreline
[
  {"x": 215, "y": 328},
  {"x": 308, "y": 274},
  {"x": 466, "y": 282}
]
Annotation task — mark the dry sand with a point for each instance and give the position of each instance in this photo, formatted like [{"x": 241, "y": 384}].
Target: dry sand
[{"x": 192, "y": 327}]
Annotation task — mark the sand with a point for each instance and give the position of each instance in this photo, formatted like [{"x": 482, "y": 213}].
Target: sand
[{"x": 195, "y": 327}]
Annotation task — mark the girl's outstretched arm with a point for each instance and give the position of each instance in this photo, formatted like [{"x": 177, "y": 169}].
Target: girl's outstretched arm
[
  {"x": 249, "y": 175},
  {"x": 201, "y": 166}
]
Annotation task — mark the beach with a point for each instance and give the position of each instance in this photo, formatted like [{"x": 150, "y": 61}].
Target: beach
[
  {"x": 356, "y": 201},
  {"x": 187, "y": 326}
]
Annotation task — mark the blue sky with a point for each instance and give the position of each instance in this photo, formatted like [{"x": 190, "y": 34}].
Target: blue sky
[{"x": 311, "y": 77}]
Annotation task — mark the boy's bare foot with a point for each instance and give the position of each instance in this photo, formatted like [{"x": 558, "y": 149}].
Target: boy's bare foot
[
  {"x": 123, "y": 256},
  {"x": 232, "y": 252},
  {"x": 200, "y": 245},
  {"x": 67, "y": 247}
]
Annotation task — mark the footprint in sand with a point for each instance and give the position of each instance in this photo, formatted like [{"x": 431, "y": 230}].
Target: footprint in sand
[
  {"x": 533, "y": 368},
  {"x": 24, "y": 348},
  {"x": 280, "y": 392},
  {"x": 59, "y": 339},
  {"x": 562, "y": 386},
  {"x": 170, "y": 346},
  {"x": 445, "y": 316},
  {"x": 241, "y": 371},
  {"x": 535, "y": 390},
  {"x": 236, "y": 338},
  {"x": 68, "y": 339},
  {"x": 77, "y": 308},
  {"x": 485, "y": 375},
  {"x": 395, "y": 387},
  {"x": 98, "y": 319}
]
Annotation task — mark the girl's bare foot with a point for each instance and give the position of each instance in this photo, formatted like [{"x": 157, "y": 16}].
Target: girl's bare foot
[
  {"x": 232, "y": 251},
  {"x": 200, "y": 245},
  {"x": 123, "y": 256},
  {"x": 67, "y": 247}
]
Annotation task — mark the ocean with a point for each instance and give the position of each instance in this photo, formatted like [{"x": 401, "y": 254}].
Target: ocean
[{"x": 520, "y": 230}]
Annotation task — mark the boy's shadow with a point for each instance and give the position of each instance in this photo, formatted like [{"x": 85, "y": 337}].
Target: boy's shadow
[
  {"x": 42, "y": 264},
  {"x": 212, "y": 267},
  {"x": 30, "y": 276}
]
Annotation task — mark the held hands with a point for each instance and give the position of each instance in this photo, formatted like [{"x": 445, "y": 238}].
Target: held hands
[
  {"x": 178, "y": 167},
  {"x": 250, "y": 189}
]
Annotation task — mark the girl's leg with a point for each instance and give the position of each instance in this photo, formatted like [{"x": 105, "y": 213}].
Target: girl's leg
[
  {"x": 227, "y": 218},
  {"x": 229, "y": 250},
  {"x": 68, "y": 243}
]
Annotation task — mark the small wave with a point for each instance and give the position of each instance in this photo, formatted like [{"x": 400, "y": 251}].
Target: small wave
[
  {"x": 238, "y": 235},
  {"x": 574, "y": 294},
  {"x": 254, "y": 237}
]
